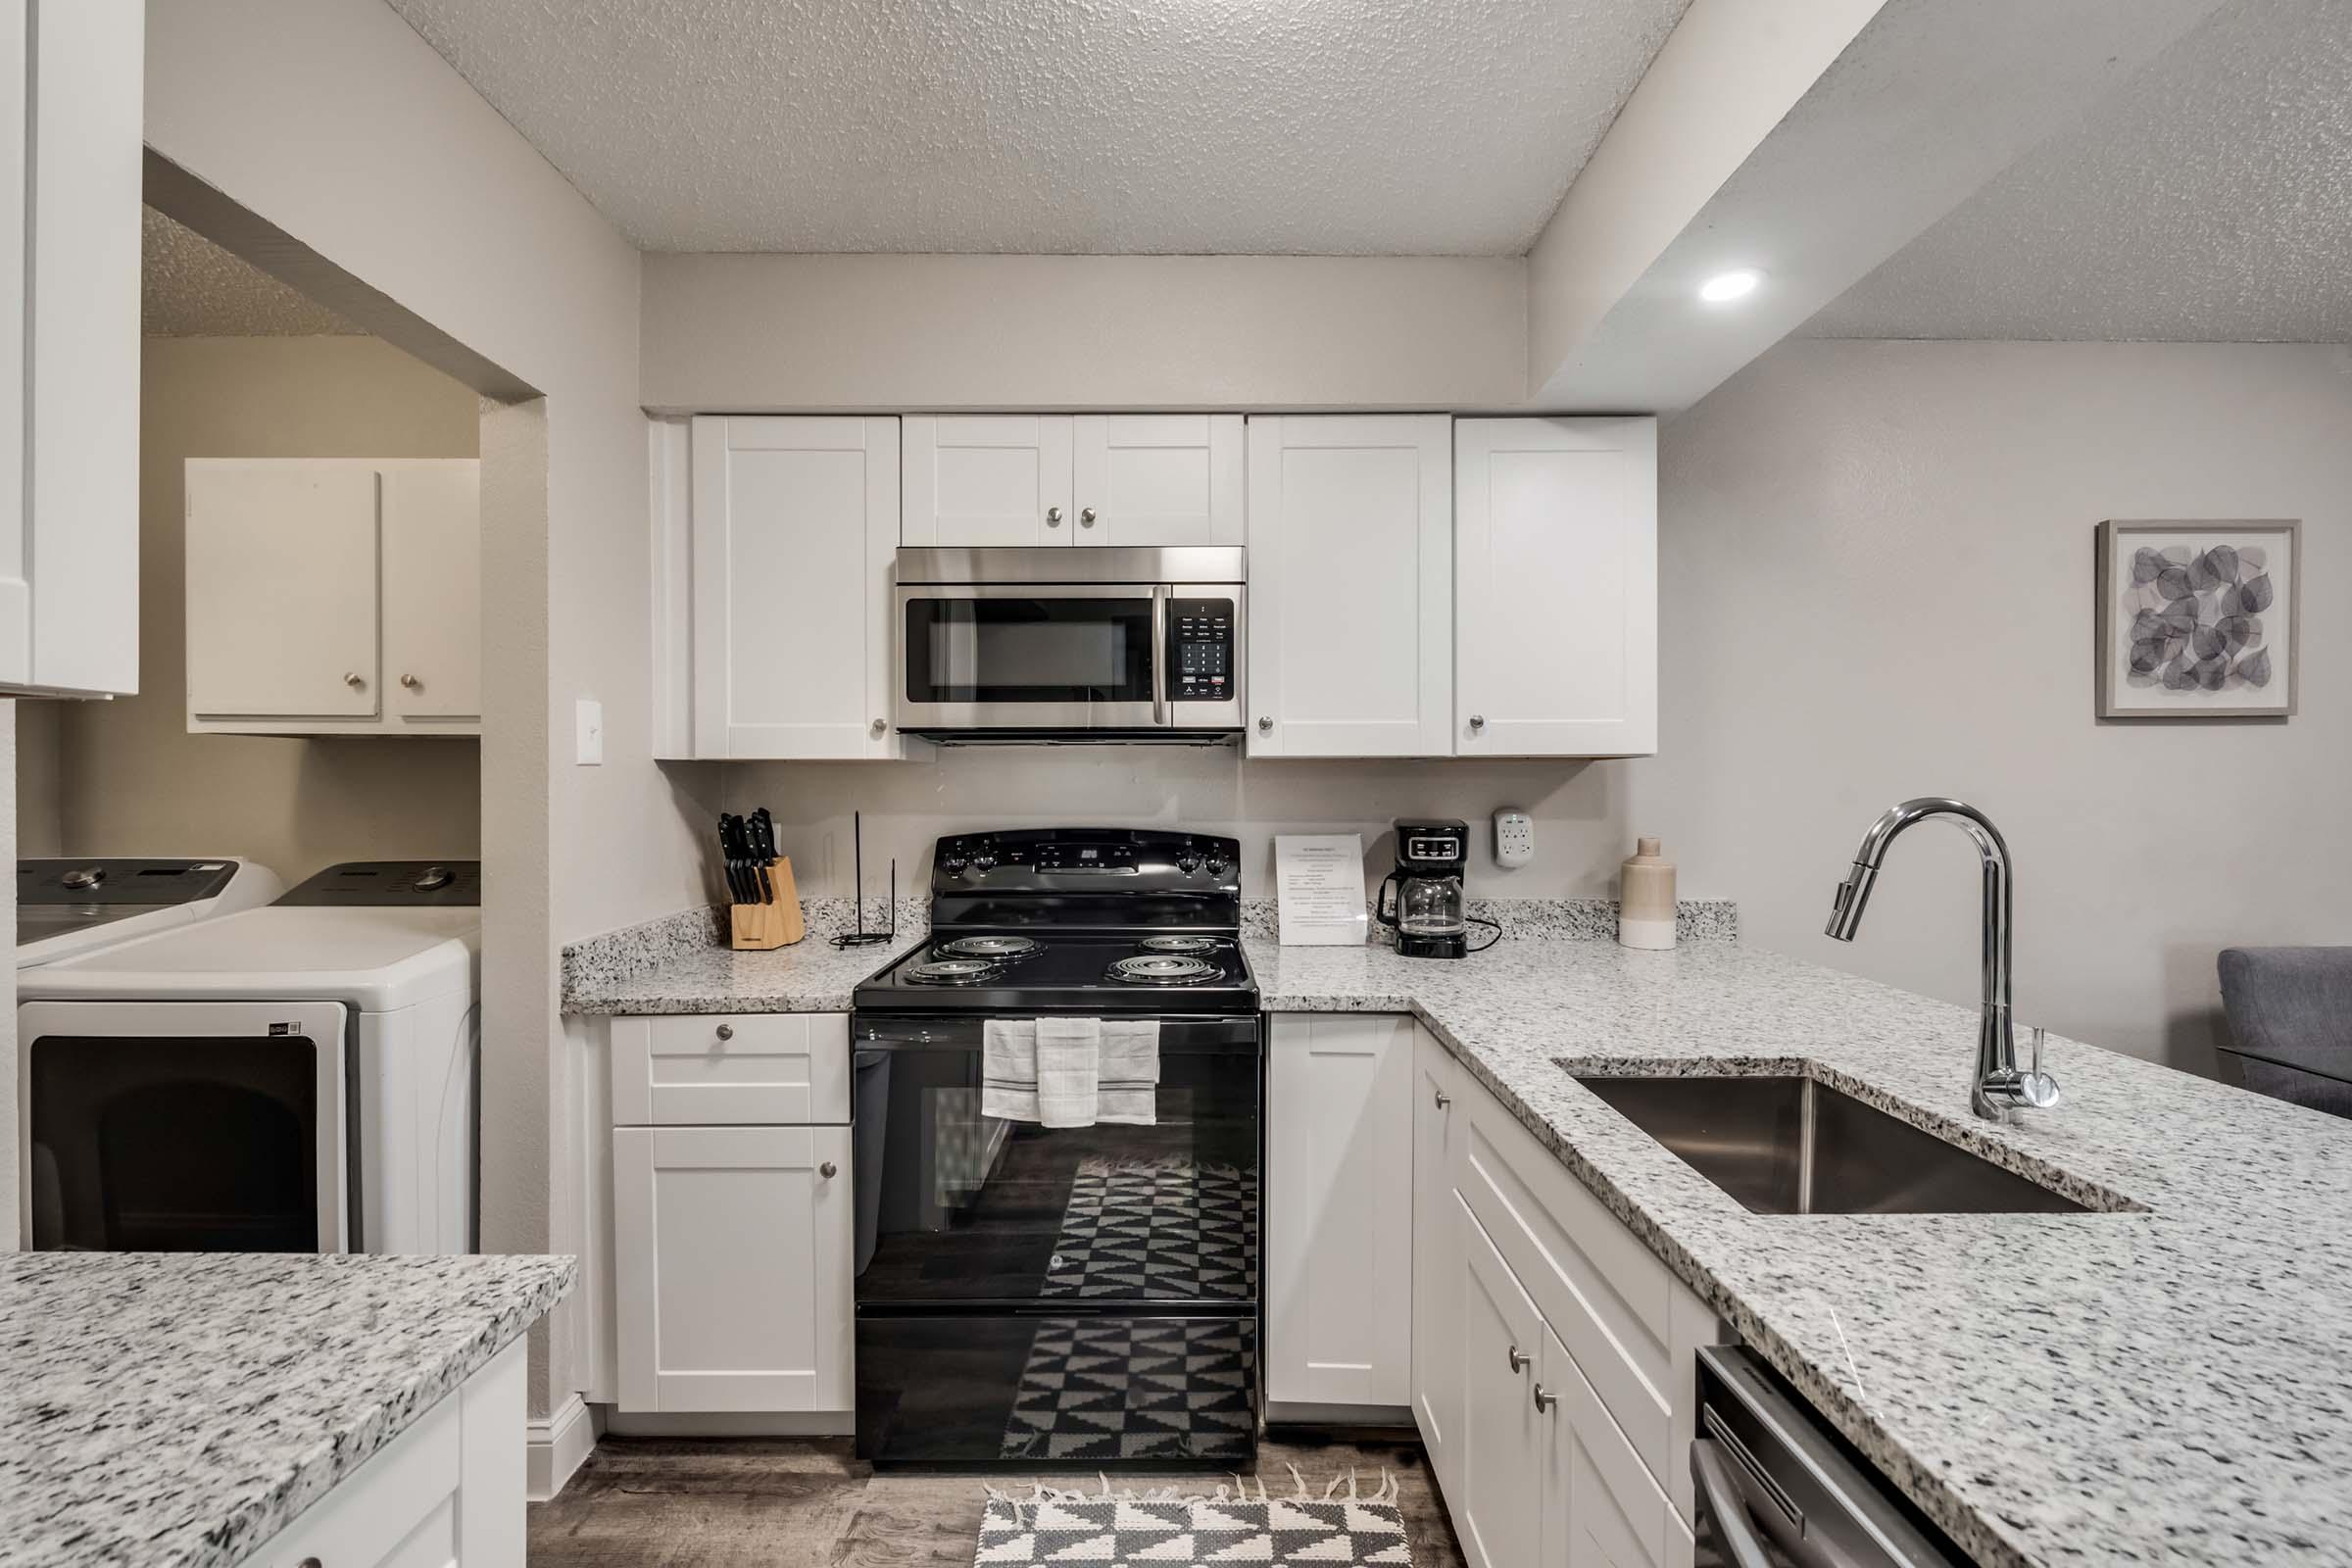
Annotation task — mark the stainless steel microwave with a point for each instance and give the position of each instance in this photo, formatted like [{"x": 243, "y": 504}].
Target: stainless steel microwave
[{"x": 1059, "y": 644}]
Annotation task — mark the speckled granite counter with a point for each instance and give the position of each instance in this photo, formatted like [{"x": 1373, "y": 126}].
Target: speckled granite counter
[
  {"x": 180, "y": 1409},
  {"x": 2165, "y": 1384},
  {"x": 811, "y": 976}
]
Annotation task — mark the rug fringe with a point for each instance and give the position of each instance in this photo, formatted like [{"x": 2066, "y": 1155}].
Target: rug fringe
[{"x": 1238, "y": 1489}]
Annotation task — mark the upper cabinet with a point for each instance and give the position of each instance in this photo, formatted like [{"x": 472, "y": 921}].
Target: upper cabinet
[
  {"x": 1350, "y": 585},
  {"x": 976, "y": 479},
  {"x": 334, "y": 596},
  {"x": 1555, "y": 587},
  {"x": 69, "y": 179},
  {"x": 773, "y": 587}
]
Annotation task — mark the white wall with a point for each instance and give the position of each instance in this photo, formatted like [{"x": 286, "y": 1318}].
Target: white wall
[
  {"x": 1877, "y": 569},
  {"x": 761, "y": 333},
  {"x": 127, "y": 778}
]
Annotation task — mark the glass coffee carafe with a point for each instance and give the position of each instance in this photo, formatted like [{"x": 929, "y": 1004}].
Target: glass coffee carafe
[{"x": 1427, "y": 915}]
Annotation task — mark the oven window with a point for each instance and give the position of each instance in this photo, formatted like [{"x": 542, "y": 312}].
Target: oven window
[
  {"x": 1029, "y": 650},
  {"x": 189, "y": 1145}
]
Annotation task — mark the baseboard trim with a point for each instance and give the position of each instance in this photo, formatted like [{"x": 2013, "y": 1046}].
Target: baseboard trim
[
  {"x": 559, "y": 1442},
  {"x": 731, "y": 1424}
]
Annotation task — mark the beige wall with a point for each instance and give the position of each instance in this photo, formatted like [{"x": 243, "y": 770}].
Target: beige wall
[
  {"x": 40, "y": 778},
  {"x": 761, "y": 333},
  {"x": 130, "y": 779}
]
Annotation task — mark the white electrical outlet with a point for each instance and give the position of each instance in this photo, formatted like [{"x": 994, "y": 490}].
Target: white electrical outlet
[{"x": 1514, "y": 838}]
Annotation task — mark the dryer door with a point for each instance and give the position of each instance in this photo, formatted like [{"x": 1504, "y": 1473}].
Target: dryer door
[{"x": 183, "y": 1126}]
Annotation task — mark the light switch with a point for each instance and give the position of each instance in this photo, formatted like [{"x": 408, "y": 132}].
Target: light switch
[{"x": 590, "y": 717}]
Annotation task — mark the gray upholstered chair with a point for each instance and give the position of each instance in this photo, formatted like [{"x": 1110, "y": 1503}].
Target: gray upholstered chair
[{"x": 2290, "y": 1023}]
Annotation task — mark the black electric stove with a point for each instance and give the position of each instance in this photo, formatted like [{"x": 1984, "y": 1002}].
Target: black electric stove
[{"x": 1068, "y": 1298}]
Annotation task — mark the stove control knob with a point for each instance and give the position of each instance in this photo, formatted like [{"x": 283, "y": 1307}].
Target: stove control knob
[
  {"x": 1216, "y": 865},
  {"x": 1188, "y": 862},
  {"x": 952, "y": 866},
  {"x": 984, "y": 862}
]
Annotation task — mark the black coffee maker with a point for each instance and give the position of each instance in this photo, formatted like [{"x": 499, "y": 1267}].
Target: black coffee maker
[{"x": 1428, "y": 917}]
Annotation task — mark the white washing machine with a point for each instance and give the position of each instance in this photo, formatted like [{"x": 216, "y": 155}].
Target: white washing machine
[
  {"x": 293, "y": 1078},
  {"x": 74, "y": 905}
]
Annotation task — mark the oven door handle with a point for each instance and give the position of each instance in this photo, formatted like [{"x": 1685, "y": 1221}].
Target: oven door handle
[
  {"x": 1159, "y": 653},
  {"x": 1721, "y": 1501}
]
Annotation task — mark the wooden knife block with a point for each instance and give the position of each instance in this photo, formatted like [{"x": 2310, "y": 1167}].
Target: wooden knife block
[{"x": 758, "y": 927}]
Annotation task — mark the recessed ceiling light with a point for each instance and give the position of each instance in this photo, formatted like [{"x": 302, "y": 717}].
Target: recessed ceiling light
[{"x": 1724, "y": 287}]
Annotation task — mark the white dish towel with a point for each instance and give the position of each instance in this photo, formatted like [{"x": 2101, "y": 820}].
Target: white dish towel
[
  {"x": 1069, "y": 1070},
  {"x": 1009, "y": 1069},
  {"x": 1129, "y": 1082}
]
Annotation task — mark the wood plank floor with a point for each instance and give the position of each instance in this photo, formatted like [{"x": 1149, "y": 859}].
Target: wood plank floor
[{"x": 673, "y": 1502}]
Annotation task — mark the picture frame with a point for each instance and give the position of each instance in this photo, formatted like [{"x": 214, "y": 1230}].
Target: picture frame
[{"x": 2198, "y": 618}]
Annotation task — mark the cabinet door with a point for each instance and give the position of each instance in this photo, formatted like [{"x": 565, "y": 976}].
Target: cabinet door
[
  {"x": 282, "y": 591},
  {"x": 1602, "y": 1509},
  {"x": 1556, "y": 587},
  {"x": 433, "y": 590},
  {"x": 731, "y": 1251},
  {"x": 1158, "y": 478},
  {"x": 1339, "y": 1266},
  {"x": 1437, "y": 1259},
  {"x": 1499, "y": 1502},
  {"x": 1350, "y": 585},
  {"x": 988, "y": 479},
  {"x": 795, "y": 521}
]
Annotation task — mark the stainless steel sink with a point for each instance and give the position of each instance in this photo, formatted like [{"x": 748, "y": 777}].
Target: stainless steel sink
[{"x": 1792, "y": 1146}]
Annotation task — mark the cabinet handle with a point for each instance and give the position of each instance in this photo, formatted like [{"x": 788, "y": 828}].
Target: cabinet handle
[
  {"x": 1264, "y": 724},
  {"x": 1053, "y": 516},
  {"x": 726, "y": 1031},
  {"x": 411, "y": 682},
  {"x": 1086, "y": 516},
  {"x": 310, "y": 1562},
  {"x": 1544, "y": 1398},
  {"x": 879, "y": 725},
  {"x": 352, "y": 677},
  {"x": 1444, "y": 1099},
  {"x": 828, "y": 1170},
  {"x": 1520, "y": 1364},
  {"x": 1478, "y": 721}
]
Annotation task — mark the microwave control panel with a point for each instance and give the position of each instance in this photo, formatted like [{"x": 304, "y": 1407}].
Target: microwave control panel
[{"x": 1200, "y": 650}]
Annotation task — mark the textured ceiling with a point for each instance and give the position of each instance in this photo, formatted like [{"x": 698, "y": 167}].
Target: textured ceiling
[
  {"x": 190, "y": 287},
  {"x": 1226, "y": 126},
  {"x": 2206, "y": 201}
]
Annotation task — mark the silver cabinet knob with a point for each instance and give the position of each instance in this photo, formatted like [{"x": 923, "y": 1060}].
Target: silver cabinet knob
[
  {"x": 411, "y": 682},
  {"x": 1053, "y": 516},
  {"x": 1086, "y": 516},
  {"x": 352, "y": 677},
  {"x": 1264, "y": 724},
  {"x": 1444, "y": 1099},
  {"x": 879, "y": 725},
  {"x": 726, "y": 1031},
  {"x": 1478, "y": 721},
  {"x": 828, "y": 1170},
  {"x": 1520, "y": 1364},
  {"x": 1544, "y": 1398}
]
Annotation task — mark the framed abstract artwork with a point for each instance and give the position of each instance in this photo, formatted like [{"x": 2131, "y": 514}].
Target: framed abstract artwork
[{"x": 2198, "y": 619}]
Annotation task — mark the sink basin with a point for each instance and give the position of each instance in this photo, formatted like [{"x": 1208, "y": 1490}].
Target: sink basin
[{"x": 1792, "y": 1146}]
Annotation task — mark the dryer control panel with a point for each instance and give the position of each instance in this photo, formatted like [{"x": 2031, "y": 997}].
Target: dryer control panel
[{"x": 411, "y": 883}]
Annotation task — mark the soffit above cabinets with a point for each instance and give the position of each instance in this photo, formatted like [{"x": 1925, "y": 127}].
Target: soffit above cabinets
[
  {"x": 1346, "y": 126},
  {"x": 2201, "y": 201}
]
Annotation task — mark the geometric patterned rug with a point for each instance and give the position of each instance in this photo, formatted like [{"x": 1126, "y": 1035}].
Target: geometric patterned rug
[
  {"x": 1338, "y": 1529},
  {"x": 1160, "y": 1230},
  {"x": 1104, "y": 1389}
]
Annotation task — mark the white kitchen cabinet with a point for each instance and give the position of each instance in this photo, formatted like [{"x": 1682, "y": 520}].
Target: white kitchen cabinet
[
  {"x": 1157, "y": 478},
  {"x": 739, "y": 1069},
  {"x": 1555, "y": 587},
  {"x": 333, "y": 596},
  {"x": 1438, "y": 1259},
  {"x": 794, "y": 525},
  {"x": 1338, "y": 1262},
  {"x": 1352, "y": 606},
  {"x": 732, "y": 1260},
  {"x": 69, "y": 202},
  {"x": 1498, "y": 1497},
  {"x": 446, "y": 1493},
  {"x": 988, "y": 479},
  {"x": 1602, "y": 1508}
]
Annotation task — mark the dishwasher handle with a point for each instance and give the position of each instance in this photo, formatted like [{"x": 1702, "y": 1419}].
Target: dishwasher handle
[{"x": 1722, "y": 1503}]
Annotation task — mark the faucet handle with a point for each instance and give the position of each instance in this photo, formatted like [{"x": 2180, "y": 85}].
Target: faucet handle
[{"x": 2035, "y": 1087}]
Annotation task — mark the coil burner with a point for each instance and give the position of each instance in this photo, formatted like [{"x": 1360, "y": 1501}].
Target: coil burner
[
  {"x": 954, "y": 971},
  {"x": 1162, "y": 969},
  {"x": 997, "y": 950}
]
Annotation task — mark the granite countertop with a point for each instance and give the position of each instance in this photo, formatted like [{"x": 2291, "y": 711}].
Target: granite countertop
[
  {"x": 2165, "y": 1381},
  {"x": 182, "y": 1408}
]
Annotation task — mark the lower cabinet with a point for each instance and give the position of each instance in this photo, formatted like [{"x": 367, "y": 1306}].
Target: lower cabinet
[
  {"x": 448, "y": 1492},
  {"x": 733, "y": 1255},
  {"x": 1497, "y": 1497},
  {"x": 1437, "y": 1257},
  {"x": 1339, "y": 1247}
]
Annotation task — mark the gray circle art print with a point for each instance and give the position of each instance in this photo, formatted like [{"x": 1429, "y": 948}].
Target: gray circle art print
[{"x": 2195, "y": 618}]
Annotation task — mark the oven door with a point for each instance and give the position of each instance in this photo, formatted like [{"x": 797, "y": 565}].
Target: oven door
[
  {"x": 176, "y": 1127},
  {"x": 961, "y": 1208},
  {"x": 992, "y": 655}
]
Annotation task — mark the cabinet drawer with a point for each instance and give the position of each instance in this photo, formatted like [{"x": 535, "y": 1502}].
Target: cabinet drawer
[
  {"x": 752, "y": 1070},
  {"x": 1611, "y": 1301}
]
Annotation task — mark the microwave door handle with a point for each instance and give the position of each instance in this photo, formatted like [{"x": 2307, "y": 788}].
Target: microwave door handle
[{"x": 1160, "y": 655}]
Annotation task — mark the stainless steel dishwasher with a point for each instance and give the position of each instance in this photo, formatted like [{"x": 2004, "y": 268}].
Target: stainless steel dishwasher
[{"x": 1774, "y": 1489}]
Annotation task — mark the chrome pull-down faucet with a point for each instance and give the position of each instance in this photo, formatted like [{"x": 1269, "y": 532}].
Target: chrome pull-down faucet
[{"x": 2000, "y": 1085}]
